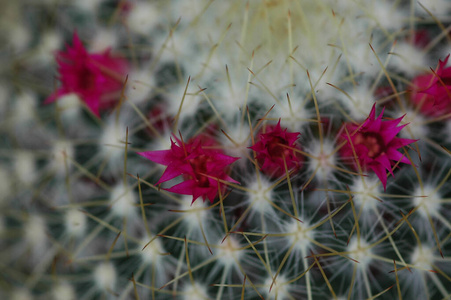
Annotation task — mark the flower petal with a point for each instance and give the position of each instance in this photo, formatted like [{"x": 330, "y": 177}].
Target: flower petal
[{"x": 162, "y": 157}]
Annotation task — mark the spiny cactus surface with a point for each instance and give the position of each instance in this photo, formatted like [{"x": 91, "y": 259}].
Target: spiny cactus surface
[{"x": 208, "y": 149}]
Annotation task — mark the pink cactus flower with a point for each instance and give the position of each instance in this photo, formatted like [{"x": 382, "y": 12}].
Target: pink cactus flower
[
  {"x": 198, "y": 163},
  {"x": 432, "y": 92},
  {"x": 375, "y": 144},
  {"x": 97, "y": 78},
  {"x": 421, "y": 38},
  {"x": 275, "y": 145}
]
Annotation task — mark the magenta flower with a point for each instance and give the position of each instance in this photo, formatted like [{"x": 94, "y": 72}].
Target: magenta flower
[
  {"x": 432, "y": 92},
  {"x": 97, "y": 78},
  {"x": 375, "y": 144},
  {"x": 199, "y": 164},
  {"x": 275, "y": 145}
]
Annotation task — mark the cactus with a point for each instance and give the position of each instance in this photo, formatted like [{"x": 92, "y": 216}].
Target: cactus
[{"x": 207, "y": 149}]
